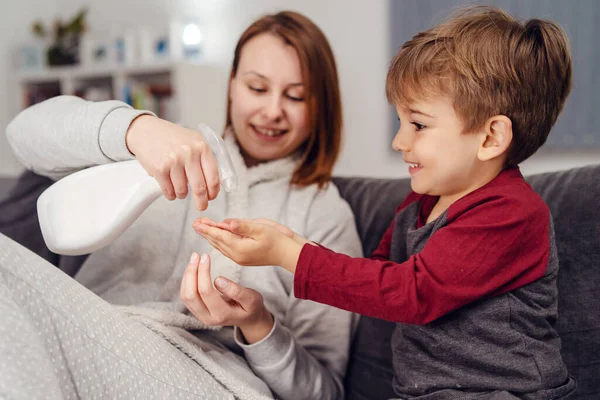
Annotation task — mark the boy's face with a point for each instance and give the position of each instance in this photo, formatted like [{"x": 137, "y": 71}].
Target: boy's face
[{"x": 442, "y": 160}]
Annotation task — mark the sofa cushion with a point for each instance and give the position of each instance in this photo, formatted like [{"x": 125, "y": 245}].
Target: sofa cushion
[
  {"x": 18, "y": 214},
  {"x": 573, "y": 198}
]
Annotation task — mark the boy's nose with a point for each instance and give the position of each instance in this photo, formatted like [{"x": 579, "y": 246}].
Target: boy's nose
[{"x": 401, "y": 142}]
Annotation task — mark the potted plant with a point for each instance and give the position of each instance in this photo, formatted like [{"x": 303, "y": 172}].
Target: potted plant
[{"x": 64, "y": 47}]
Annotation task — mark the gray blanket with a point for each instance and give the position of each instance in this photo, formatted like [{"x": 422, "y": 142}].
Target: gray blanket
[{"x": 59, "y": 340}]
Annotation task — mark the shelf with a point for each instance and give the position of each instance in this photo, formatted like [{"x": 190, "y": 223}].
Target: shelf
[
  {"x": 56, "y": 74},
  {"x": 180, "y": 91}
]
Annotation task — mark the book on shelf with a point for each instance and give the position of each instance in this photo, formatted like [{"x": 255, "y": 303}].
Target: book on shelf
[
  {"x": 37, "y": 95},
  {"x": 157, "y": 98}
]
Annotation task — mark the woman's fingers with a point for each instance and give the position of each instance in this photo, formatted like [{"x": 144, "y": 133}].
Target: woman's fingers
[
  {"x": 173, "y": 155},
  {"x": 179, "y": 181},
  {"x": 210, "y": 169},
  {"x": 212, "y": 306},
  {"x": 218, "y": 308},
  {"x": 246, "y": 298},
  {"x": 189, "y": 290},
  {"x": 196, "y": 177},
  {"x": 163, "y": 177}
]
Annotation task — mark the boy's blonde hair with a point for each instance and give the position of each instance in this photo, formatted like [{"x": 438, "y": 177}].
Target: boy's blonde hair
[{"x": 489, "y": 64}]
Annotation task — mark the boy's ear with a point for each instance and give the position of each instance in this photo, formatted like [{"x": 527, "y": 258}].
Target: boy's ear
[{"x": 497, "y": 137}]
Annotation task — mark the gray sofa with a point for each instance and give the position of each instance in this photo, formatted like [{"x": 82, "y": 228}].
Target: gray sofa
[{"x": 573, "y": 197}]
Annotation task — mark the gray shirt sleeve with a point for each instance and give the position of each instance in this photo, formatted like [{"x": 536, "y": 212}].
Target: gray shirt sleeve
[
  {"x": 65, "y": 134},
  {"x": 305, "y": 356}
]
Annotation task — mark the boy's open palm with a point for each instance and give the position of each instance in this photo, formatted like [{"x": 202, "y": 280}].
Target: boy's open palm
[
  {"x": 252, "y": 242},
  {"x": 244, "y": 241}
]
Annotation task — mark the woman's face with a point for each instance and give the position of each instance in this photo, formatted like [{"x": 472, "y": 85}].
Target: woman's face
[{"x": 267, "y": 100}]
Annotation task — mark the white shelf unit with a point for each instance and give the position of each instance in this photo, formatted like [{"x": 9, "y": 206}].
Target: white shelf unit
[{"x": 198, "y": 91}]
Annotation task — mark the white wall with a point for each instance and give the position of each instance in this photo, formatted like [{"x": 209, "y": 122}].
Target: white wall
[{"x": 359, "y": 39}]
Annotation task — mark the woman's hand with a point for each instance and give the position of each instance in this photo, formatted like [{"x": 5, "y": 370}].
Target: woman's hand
[
  {"x": 175, "y": 156},
  {"x": 228, "y": 305},
  {"x": 253, "y": 242}
]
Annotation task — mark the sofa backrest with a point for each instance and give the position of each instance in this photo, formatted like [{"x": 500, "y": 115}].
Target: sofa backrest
[{"x": 573, "y": 197}]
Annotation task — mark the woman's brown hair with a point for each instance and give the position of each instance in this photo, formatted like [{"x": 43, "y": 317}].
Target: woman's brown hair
[{"x": 319, "y": 74}]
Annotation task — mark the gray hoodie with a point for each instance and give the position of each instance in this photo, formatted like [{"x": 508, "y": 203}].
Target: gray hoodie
[{"x": 305, "y": 355}]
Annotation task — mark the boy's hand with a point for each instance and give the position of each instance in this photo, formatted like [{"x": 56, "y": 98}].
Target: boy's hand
[
  {"x": 228, "y": 305},
  {"x": 250, "y": 242},
  {"x": 235, "y": 225}
]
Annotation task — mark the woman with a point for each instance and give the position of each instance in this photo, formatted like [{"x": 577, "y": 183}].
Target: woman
[{"x": 283, "y": 133}]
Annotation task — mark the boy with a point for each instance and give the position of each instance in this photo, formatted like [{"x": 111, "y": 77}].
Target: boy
[{"x": 468, "y": 267}]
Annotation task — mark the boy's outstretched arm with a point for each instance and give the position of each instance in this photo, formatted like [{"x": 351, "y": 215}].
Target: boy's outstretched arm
[
  {"x": 253, "y": 242},
  {"x": 490, "y": 248}
]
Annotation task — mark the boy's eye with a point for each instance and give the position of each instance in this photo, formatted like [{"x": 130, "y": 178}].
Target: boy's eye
[{"x": 418, "y": 126}]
